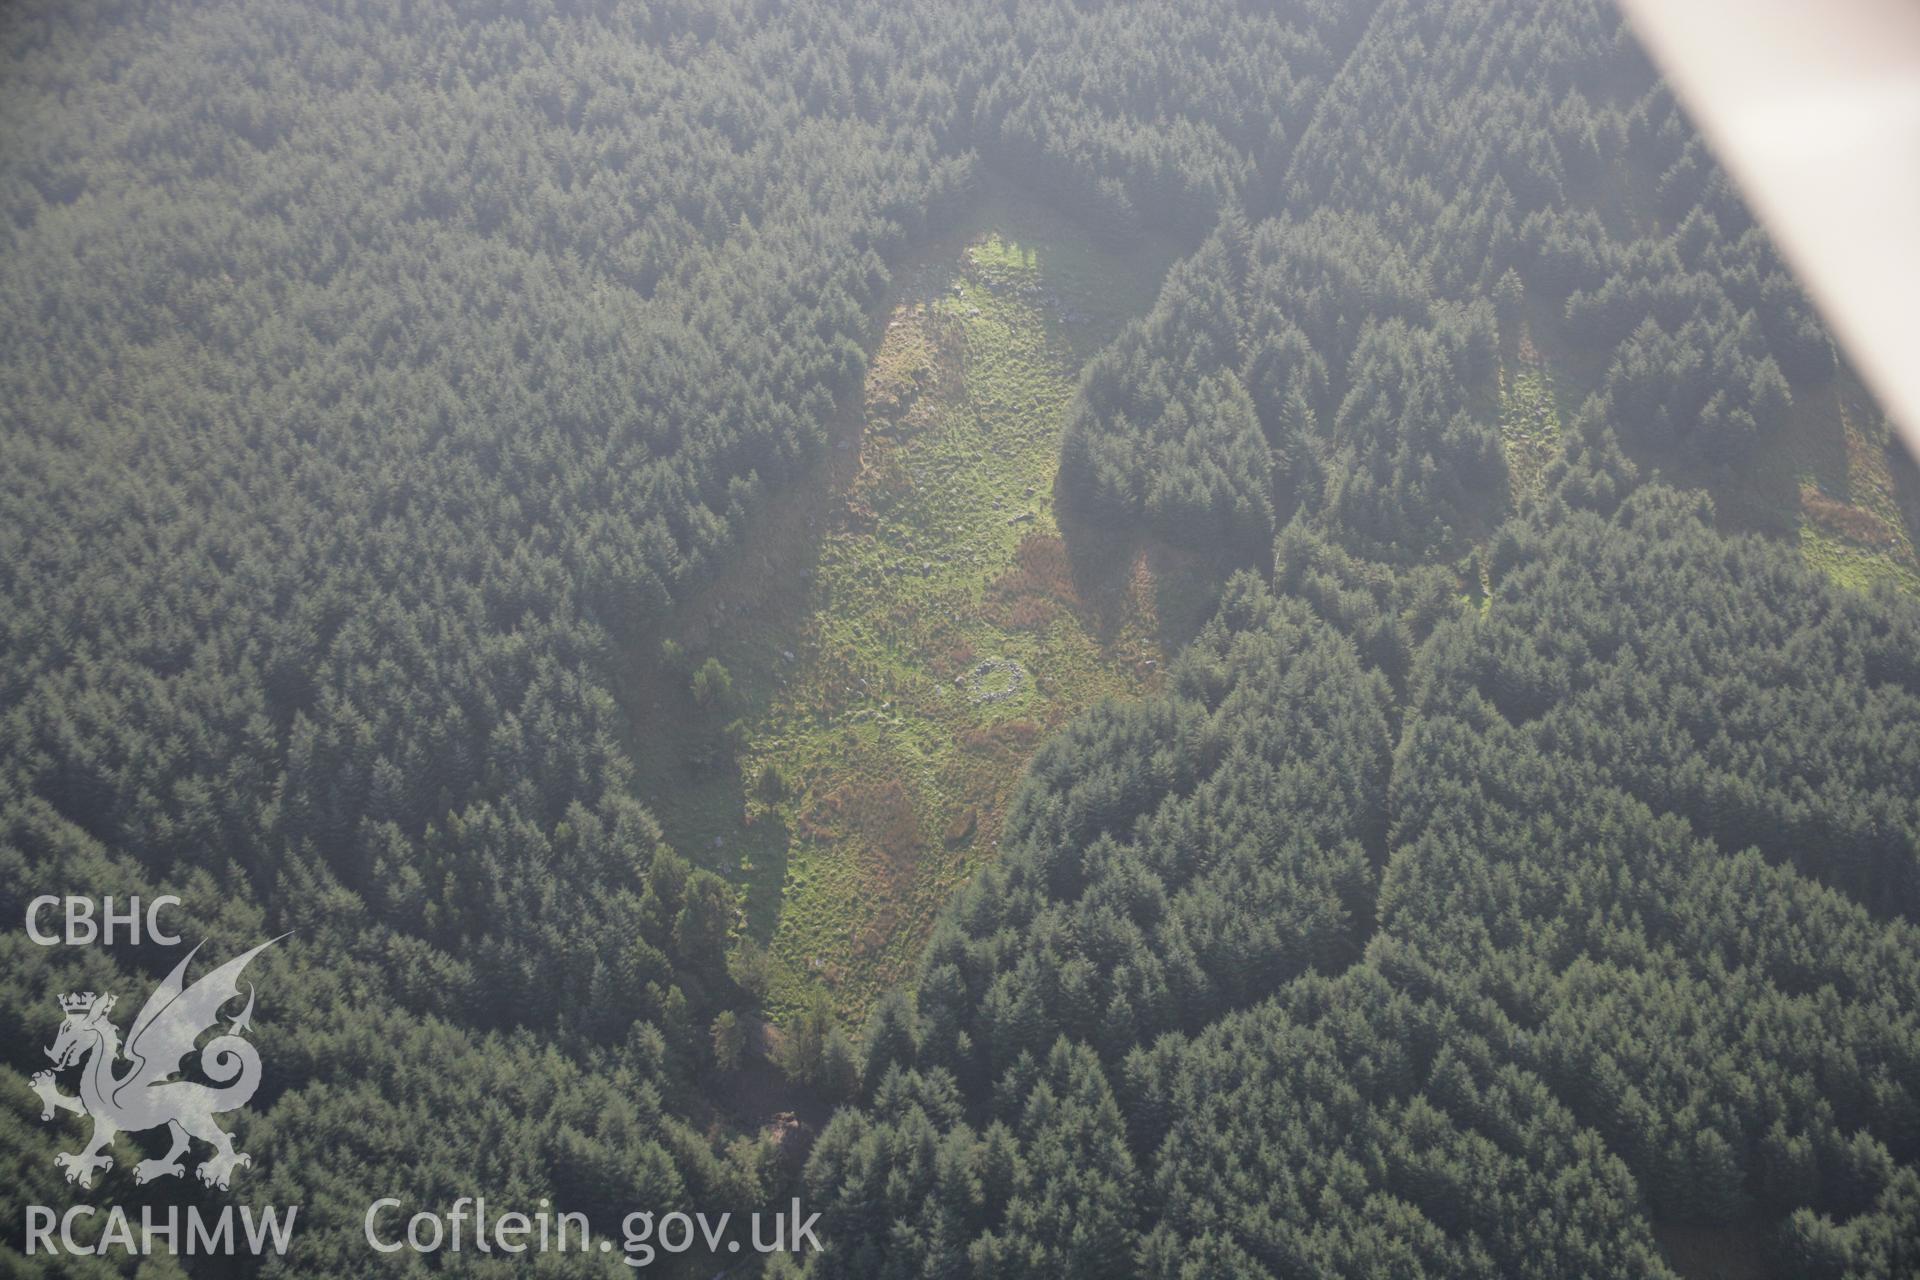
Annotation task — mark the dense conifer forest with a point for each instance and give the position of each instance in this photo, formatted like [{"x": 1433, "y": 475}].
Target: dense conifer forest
[{"x": 1516, "y": 874}]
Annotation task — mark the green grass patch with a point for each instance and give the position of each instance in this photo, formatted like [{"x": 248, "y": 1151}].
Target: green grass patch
[
  {"x": 1852, "y": 565},
  {"x": 1851, "y": 522},
  {"x": 1529, "y": 428}
]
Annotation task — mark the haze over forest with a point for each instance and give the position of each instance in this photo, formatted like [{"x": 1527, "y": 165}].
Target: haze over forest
[{"x": 1165, "y": 638}]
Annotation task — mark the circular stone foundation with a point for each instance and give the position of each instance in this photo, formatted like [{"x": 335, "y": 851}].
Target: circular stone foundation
[{"x": 995, "y": 679}]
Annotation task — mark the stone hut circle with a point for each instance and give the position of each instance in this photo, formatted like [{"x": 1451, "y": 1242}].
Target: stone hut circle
[{"x": 982, "y": 686}]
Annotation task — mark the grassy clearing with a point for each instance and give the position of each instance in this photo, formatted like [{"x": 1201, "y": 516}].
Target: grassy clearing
[
  {"x": 1529, "y": 428},
  {"x": 902, "y": 632},
  {"x": 1856, "y": 531}
]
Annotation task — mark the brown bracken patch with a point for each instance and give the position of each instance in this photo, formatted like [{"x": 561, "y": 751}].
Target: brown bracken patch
[
  {"x": 1008, "y": 739},
  {"x": 882, "y": 814},
  {"x": 1843, "y": 519},
  {"x": 1031, "y": 594}
]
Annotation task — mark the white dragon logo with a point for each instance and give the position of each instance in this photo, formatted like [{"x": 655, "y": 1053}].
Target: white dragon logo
[{"x": 145, "y": 1097}]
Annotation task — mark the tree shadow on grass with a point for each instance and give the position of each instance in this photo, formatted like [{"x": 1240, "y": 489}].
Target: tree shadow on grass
[{"x": 1120, "y": 576}]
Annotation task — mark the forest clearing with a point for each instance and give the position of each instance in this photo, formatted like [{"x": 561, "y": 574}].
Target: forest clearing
[{"x": 903, "y": 629}]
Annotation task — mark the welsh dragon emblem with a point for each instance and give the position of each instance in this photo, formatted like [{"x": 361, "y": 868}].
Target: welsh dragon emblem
[{"x": 145, "y": 1096}]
